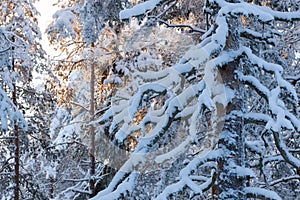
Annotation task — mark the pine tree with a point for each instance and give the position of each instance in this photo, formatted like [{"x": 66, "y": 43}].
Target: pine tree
[
  {"x": 21, "y": 51},
  {"x": 228, "y": 97}
]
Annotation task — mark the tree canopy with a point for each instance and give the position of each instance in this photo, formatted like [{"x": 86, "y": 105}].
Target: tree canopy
[{"x": 151, "y": 100}]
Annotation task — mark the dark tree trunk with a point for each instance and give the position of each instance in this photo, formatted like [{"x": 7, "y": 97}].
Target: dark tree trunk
[
  {"x": 92, "y": 130},
  {"x": 17, "y": 157},
  {"x": 16, "y": 143},
  {"x": 51, "y": 188}
]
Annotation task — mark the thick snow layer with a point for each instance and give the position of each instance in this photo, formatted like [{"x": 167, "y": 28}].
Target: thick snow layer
[
  {"x": 260, "y": 192},
  {"x": 274, "y": 104},
  {"x": 285, "y": 84},
  {"x": 244, "y": 172},
  {"x": 9, "y": 114},
  {"x": 122, "y": 188},
  {"x": 174, "y": 153},
  {"x": 137, "y": 98},
  {"x": 285, "y": 152},
  {"x": 264, "y": 14},
  {"x": 186, "y": 179},
  {"x": 64, "y": 23},
  {"x": 256, "y": 84},
  {"x": 153, "y": 76},
  {"x": 139, "y": 9},
  {"x": 261, "y": 63}
]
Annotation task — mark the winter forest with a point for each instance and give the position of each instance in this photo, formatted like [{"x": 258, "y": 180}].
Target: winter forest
[{"x": 150, "y": 99}]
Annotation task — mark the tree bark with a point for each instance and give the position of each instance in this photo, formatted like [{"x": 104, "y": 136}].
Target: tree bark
[
  {"x": 16, "y": 141},
  {"x": 51, "y": 188},
  {"x": 92, "y": 130},
  {"x": 17, "y": 150},
  {"x": 229, "y": 184}
]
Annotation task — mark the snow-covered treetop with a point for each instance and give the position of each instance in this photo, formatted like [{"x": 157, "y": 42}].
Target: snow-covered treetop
[
  {"x": 20, "y": 23},
  {"x": 19, "y": 36}
]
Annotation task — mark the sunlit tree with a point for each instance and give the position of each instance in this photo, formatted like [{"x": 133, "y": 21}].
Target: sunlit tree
[{"x": 227, "y": 118}]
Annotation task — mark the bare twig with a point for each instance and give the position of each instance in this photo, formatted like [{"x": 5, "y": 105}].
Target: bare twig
[
  {"x": 192, "y": 28},
  {"x": 78, "y": 104},
  {"x": 87, "y": 179}
]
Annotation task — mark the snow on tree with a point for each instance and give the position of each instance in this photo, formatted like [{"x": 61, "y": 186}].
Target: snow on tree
[
  {"x": 229, "y": 98},
  {"x": 9, "y": 112},
  {"x": 21, "y": 52},
  {"x": 136, "y": 114},
  {"x": 100, "y": 43},
  {"x": 83, "y": 35}
]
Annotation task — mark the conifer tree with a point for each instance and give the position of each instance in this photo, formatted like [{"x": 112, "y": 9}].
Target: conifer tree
[
  {"x": 21, "y": 52},
  {"x": 238, "y": 117}
]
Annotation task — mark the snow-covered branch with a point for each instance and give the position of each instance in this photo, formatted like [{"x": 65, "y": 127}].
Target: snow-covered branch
[
  {"x": 139, "y": 9},
  {"x": 187, "y": 100},
  {"x": 186, "y": 179},
  {"x": 255, "y": 192},
  {"x": 295, "y": 162},
  {"x": 285, "y": 179}
]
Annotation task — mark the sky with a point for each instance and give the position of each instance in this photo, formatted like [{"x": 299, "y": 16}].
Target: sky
[{"x": 46, "y": 10}]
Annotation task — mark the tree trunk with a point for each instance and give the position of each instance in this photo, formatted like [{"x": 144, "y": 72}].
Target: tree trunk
[
  {"x": 16, "y": 134},
  {"x": 230, "y": 184},
  {"x": 51, "y": 188},
  {"x": 17, "y": 156},
  {"x": 92, "y": 129},
  {"x": 16, "y": 142}
]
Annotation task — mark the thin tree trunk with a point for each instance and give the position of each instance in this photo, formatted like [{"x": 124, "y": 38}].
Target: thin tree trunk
[
  {"x": 16, "y": 142},
  {"x": 92, "y": 129},
  {"x": 17, "y": 156},
  {"x": 16, "y": 138},
  {"x": 51, "y": 188}
]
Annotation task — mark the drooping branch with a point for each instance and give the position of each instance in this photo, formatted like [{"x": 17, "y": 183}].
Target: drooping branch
[
  {"x": 211, "y": 54},
  {"x": 186, "y": 177},
  {"x": 288, "y": 157}
]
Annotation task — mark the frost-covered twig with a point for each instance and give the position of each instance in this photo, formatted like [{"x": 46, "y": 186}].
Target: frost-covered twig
[
  {"x": 283, "y": 180},
  {"x": 78, "y": 104}
]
